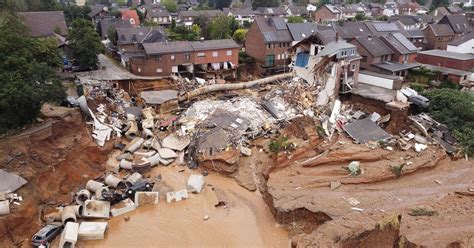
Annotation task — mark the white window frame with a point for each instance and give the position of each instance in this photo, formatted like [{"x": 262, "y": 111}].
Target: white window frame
[
  {"x": 215, "y": 54},
  {"x": 201, "y": 55},
  {"x": 229, "y": 52},
  {"x": 159, "y": 70}
]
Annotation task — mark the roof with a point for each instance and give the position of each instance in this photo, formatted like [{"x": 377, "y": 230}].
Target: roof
[
  {"x": 441, "y": 29},
  {"x": 447, "y": 54},
  {"x": 348, "y": 8},
  {"x": 374, "y": 46},
  {"x": 106, "y": 24},
  {"x": 326, "y": 36},
  {"x": 375, "y": 5},
  {"x": 274, "y": 29},
  {"x": 399, "y": 43},
  {"x": 298, "y": 10},
  {"x": 455, "y": 9},
  {"x": 241, "y": 11},
  {"x": 187, "y": 46},
  {"x": 350, "y": 30},
  {"x": 406, "y": 20},
  {"x": 394, "y": 66},
  {"x": 300, "y": 31},
  {"x": 43, "y": 23},
  {"x": 157, "y": 12},
  {"x": 332, "y": 8},
  {"x": 381, "y": 28},
  {"x": 365, "y": 131},
  {"x": 213, "y": 44},
  {"x": 333, "y": 47},
  {"x": 463, "y": 39},
  {"x": 96, "y": 9},
  {"x": 446, "y": 70},
  {"x": 167, "y": 47},
  {"x": 139, "y": 35},
  {"x": 158, "y": 97},
  {"x": 416, "y": 33},
  {"x": 271, "y": 11},
  {"x": 195, "y": 13},
  {"x": 131, "y": 15},
  {"x": 458, "y": 23}
]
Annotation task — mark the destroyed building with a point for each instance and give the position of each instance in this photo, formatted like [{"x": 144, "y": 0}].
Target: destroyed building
[{"x": 332, "y": 67}]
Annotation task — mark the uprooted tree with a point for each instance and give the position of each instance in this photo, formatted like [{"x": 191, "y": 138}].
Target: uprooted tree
[{"x": 27, "y": 73}]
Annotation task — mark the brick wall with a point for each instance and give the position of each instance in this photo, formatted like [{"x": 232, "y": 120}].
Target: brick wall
[
  {"x": 464, "y": 65},
  {"x": 323, "y": 14}
]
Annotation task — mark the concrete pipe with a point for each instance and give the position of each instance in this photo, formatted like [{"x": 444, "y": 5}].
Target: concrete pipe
[
  {"x": 147, "y": 133},
  {"x": 82, "y": 196},
  {"x": 68, "y": 215},
  {"x": 79, "y": 210},
  {"x": 133, "y": 179},
  {"x": 4, "y": 207},
  {"x": 154, "y": 160},
  {"x": 114, "y": 182},
  {"x": 53, "y": 217},
  {"x": 99, "y": 193},
  {"x": 148, "y": 143},
  {"x": 93, "y": 186},
  {"x": 125, "y": 164},
  {"x": 132, "y": 132},
  {"x": 134, "y": 145}
]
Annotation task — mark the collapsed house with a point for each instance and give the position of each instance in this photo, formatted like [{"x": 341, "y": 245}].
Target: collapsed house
[{"x": 331, "y": 67}]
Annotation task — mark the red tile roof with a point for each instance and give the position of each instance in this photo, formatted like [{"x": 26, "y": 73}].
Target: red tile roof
[{"x": 132, "y": 16}]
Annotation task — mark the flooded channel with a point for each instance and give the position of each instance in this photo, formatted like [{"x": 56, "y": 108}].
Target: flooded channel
[{"x": 246, "y": 221}]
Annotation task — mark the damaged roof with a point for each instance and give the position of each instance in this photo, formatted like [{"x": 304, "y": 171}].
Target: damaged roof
[
  {"x": 333, "y": 47},
  {"x": 365, "y": 131},
  {"x": 301, "y": 31},
  {"x": 139, "y": 35},
  {"x": 158, "y": 97}
]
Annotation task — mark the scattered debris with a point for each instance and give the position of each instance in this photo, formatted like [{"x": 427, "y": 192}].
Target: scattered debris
[
  {"x": 335, "y": 184},
  {"x": 421, "y": 211},
  {"x": 92, "y": 230},
  {"x": 176, "y": 196},
  {"x": 123, "y": 207},
  {"x": 354, "y": 168},
  {"x": 69, "y": 235},
  {"x": 353, "y": 201},
  {"x": 195, "y": 183}
]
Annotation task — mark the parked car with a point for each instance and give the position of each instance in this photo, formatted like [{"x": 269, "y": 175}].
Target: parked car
[
  {"x": 140, "y": 186},
  {"x": 46, "y": 234}
]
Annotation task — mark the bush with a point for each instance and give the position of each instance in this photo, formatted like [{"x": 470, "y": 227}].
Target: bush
[
  {"x": 280, "y": 144},
  {"x": 421, "y": 211},
  {"x": 455, "y": 109},
  {"x": 244, "y": 58}
]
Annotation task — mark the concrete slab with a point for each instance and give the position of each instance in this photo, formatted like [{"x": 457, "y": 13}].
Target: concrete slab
[
  {"x": 176, "y": 196},
  {"x": 167, "y": 153},
  {"x": 195, "y": 183},
  {"x": 10, "y": 182},
  {"x": 175, "y": 142},
  {"x": 96, "y": 209},
  {"x": 146, "y": 198},
  {"x": 69, "y": 235},
  {"x": 92, "y": 230},
  {"x": 123, "y": 207}
]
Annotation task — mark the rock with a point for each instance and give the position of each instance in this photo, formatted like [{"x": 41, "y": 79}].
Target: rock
[
  {"x": 195, "y": 183},
  {"x": 246, "y": 151},
  {"x": 335, "y": 185},
  {"x": 206, "y": 217}
]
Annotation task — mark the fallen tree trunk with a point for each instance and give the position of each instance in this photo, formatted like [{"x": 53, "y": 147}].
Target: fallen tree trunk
[{"x": 236, "y": 86}]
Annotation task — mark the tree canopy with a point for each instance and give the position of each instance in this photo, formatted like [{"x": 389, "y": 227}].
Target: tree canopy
[
  {"x": 27, "y": 73},
  {"x": 295, "y": 19},
  {"x": 170, "y": 5},
  {"x": 455, "y": 109},
  {"x": 85, "y": 43},
  {"x": 222, "y": 27}
]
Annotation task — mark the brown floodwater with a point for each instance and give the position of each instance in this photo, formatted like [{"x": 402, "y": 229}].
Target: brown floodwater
[{"x": 245, "y": 222}]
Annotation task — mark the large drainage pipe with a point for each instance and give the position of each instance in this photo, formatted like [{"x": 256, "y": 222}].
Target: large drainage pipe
[
  {"x": 125, "y": 164},
  {"x": 148, "y": 133},
  {"x": 93, "y": 186},
  {"x": 154, "y": 160},
  {"x": 99, "y": 193},
  {"x": 132, "y": 131},
  {"x": 82, "y": 196},
  {"x": 114, "y": 182},
  {"x": 134, "y": 145},
  {"x": 236, "y": 86},
  {"x": 133, "y": 179},
  {"x": 68, "y": 215}
]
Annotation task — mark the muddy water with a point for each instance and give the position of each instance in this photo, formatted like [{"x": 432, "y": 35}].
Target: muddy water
[{"x": 246, "y": 222}]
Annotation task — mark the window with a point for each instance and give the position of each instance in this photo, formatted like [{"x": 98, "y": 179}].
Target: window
[
  {"x": 281, "y": 44},
  {"x": 278, "y": 56},
  {"x": 229, "y": 52},
  {"x": 353, "y": 67},
  {"x": 159, "y": 70},
  {"x": 270, "y": 60},
  {"x": 139, "y": 69},
  {"x": 158, "y": 58},
  {"x": 201, "y": 55},
  {"x": 352, "y": 52},
  {"x": 364, "y": 58},
  {"x": 173, "y": 57},
  {"x": 187, "y": 56},
  {"x": 215, "y": 54},
  {"x": 439, "y": 38}
]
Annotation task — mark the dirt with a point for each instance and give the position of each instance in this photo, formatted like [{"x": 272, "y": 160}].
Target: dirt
[
  {"x": 54, "y": 167},
  {"x": 297, "y": 189}
]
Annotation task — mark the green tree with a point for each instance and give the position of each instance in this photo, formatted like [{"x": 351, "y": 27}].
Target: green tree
[
  {"x": 170, "y": 5},
  {"x": 85, "y": 43},
  {"x": 295, "y": 19},
  {"x": 455, "y": 109},
  {"x": 360, "y": 16},
  {"x": 382, "y": 18},
  {"x": 112, "y": 35},
  {"x": 222, "y": 27},
  {"x": 27, "y": 73},
  {"x": 239, "y": 35},
  {"x": 72, "y": 12}
]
